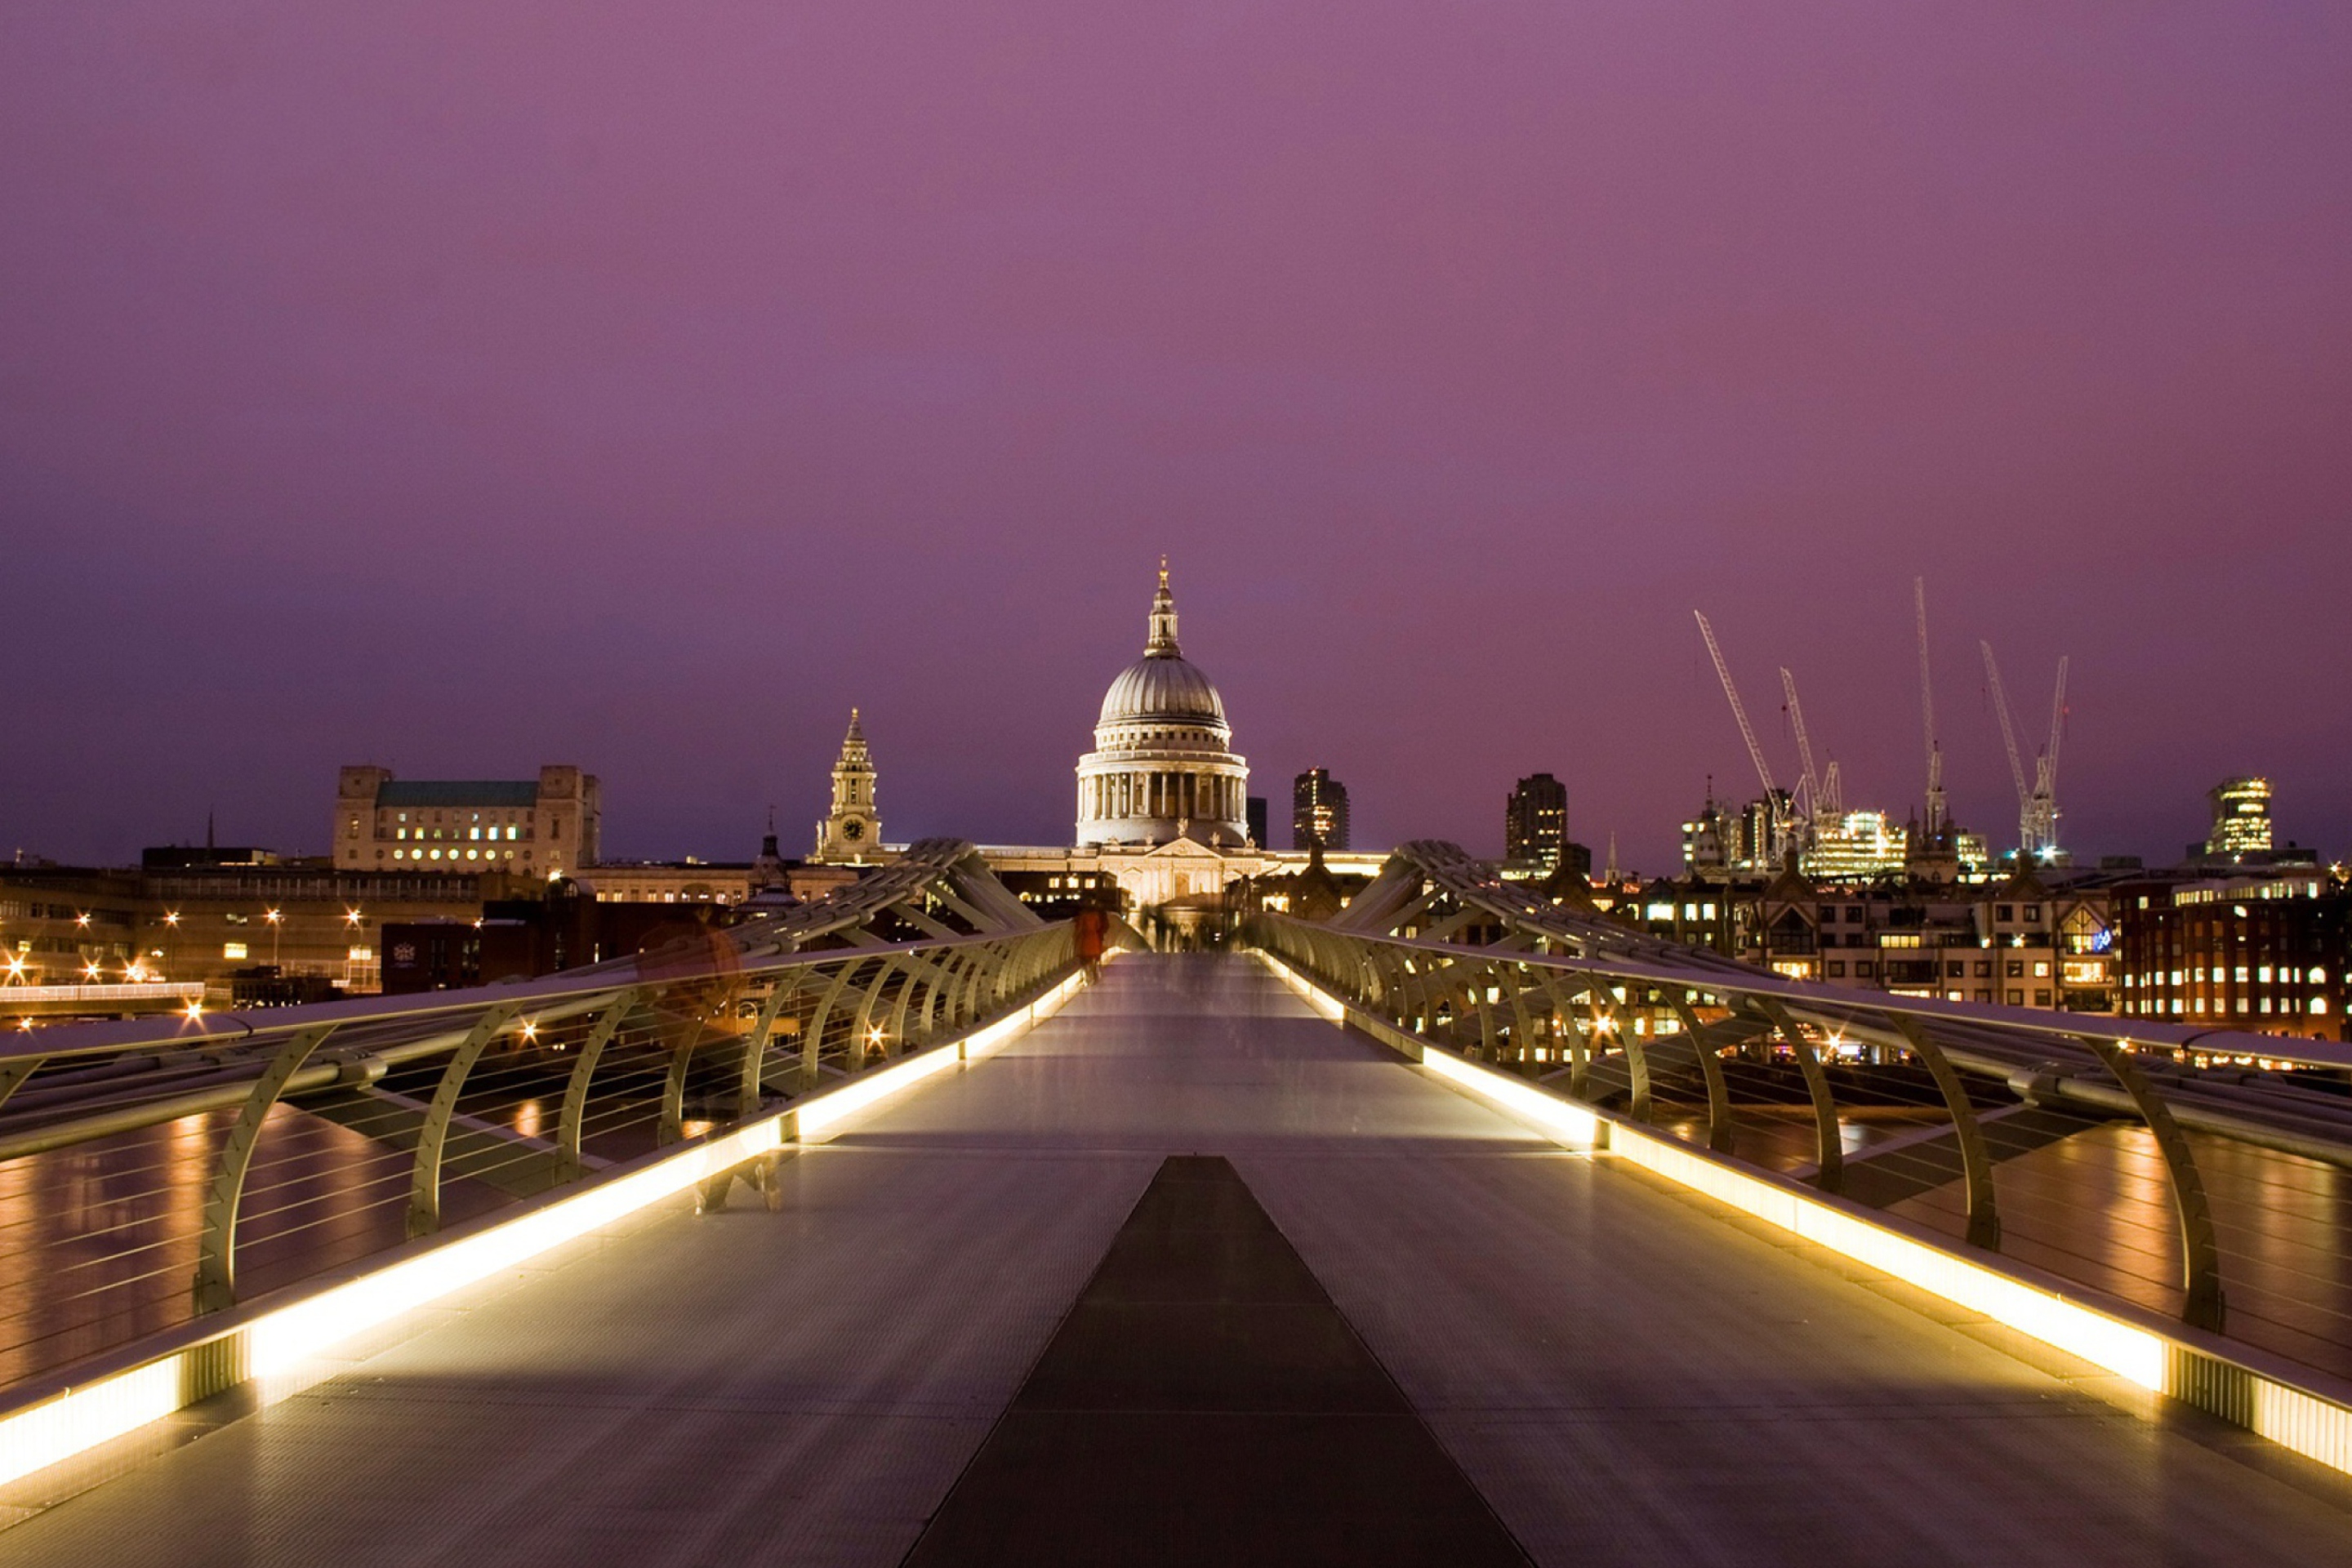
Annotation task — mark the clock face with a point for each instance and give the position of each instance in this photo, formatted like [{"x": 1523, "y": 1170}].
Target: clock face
[{"x": 853, "y": 828}]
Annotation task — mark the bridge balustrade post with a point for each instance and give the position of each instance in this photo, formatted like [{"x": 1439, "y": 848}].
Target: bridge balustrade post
[
  {"x": 939, "y": 1006},
  {"x": 813, "y": 1043},
  {"x": 1485, "y": 976},
  {"x": 1976, "y": 1164},
  {"x": 926, "y": 999},
  {"x": 568, "y": 1165},
  {"x": 895, "y": 1038},
  {"x": 1829, "y": 1152},
  {"x": 1579, "y": 1048},
  {"x": 1637, "y": 1055},
  {"x": 2204, "y": 1306},
  {"x": 967, "y": 1002},
  {"x": 860, "y": 1031},
  {"x": 1389, "y": 965},
  {"x": 755, "y": 1045},
  {"x": 425, "y": 1177},
  {"x": 1523, "y": 1028},
  {"x": 216, "y": 1282},
  {"x": 672, "y": 1128},
  {"x": 1710, "y": 1066}
]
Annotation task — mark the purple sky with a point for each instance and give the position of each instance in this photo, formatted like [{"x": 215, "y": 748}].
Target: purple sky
[{"x": 464, "y": 385}]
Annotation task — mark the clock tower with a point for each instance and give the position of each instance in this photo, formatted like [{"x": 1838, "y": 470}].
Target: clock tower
[{"x": 852, "y": 832}]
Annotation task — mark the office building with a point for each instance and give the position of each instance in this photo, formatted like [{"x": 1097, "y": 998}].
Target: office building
[
  {"x": 2242, "y": 817},
  {"x": 1535, "y": 821},
  {"x": 1318, "y": 810}
]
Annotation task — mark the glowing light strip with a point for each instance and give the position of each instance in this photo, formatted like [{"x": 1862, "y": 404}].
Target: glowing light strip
[
  {"x": 2295, "y": 1418},
  {"x": 2119, "y": 1347},
  {"x": 1326, "y": 1005},
  {"x": 274, "y": 1346},
  {"x": 1568, "y": 1123}
]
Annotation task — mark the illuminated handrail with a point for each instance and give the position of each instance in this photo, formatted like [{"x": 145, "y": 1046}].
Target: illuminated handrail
[
  {"x": 1610, "y": 1018},
  {"x": 459, "y": 1091}
]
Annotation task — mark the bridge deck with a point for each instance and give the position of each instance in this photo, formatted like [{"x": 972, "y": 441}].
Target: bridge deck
[{"x": 1623, "y": 1375}]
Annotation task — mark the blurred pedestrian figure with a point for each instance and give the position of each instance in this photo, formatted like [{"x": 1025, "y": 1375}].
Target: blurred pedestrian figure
[{"x": 1093, "y": 926}]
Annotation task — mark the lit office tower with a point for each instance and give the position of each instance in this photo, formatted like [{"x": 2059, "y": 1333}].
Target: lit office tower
[
  {"x": 1535, "y": 821},
  {"x": 1318, "y": 810},
  {"x": 2241, "y": 817}
]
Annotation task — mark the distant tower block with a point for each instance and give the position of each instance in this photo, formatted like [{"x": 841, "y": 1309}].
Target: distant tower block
[
  {"x": 1535, "y": 821},
  {"x": 1318, "y": 811},
  {"x": 2242, "y": 817},
  {"x": 852, "y": 832}
]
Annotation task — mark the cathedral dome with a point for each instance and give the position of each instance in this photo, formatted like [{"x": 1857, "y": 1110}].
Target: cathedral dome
[
  {"x": 1163, "y": 689},
  {"x": 1160, "y": 687},
  {"x": 1164, "y": 766}
]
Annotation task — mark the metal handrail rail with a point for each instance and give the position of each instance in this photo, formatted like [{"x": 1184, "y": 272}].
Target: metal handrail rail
[
  {"x": 714, "y": 1015},
  {"x": 1492, "y": 992},
  {"x": 1662, "y": 963}
]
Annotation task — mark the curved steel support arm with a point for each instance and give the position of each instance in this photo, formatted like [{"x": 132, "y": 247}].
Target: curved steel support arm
[
  {"x": 216, "y": 1253},
  {"x": 1710, "y": 1068},
  {"x": 812, "y": 1042},
  {"x": 1828, "y": 1151},
  {"x": 1579, "y": 1048},
  {"x": 755, "y": 1047},
  {"x": 1637, "y": 1055},
  {"x": 861, "y": 1027},
  {"x": 424, "y": 1181},
  {"x": 673, "y": 1110},
  {"x": 1976, "y": 1164},
  {"x": 569, "y": 1126},
  {"x": 2200, "y": 1256}
]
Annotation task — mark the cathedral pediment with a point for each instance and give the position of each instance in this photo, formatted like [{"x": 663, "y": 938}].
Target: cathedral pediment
[{"x": 1184, "y": 849}]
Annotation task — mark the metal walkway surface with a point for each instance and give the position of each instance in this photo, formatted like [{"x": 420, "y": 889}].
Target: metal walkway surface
[{"x": 1622, "y": 1373}]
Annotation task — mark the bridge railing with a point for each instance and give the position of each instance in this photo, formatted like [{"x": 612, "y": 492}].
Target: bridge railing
[
  {"x": 2204, "y": 1178},
  {"x": 153, "y": 1173}
]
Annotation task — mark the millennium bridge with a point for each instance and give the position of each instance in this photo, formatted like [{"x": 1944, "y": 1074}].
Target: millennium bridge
[{"x": 1461, "y": 1227}]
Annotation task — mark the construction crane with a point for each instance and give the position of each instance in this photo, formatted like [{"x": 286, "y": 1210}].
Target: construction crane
[
  {"x": 1776, "y": 802},
  {"x": 1819, "y": 796},
  {"x": 2045, "y": 770},
  {"x": 2037, "y": 807},
  {"x": 1938, "y": 814}
]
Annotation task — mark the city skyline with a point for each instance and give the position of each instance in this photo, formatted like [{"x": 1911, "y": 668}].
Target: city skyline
[
  {"x": 491, "y": 441},
  {"x": 1649, "y": 846}
]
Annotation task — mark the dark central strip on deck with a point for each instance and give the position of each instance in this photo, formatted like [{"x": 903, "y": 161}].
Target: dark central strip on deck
[{"x": 1205, "y": 1402}]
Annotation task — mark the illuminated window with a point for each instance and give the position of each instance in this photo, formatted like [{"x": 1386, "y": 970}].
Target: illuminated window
[{"x": 233, "y": 949}]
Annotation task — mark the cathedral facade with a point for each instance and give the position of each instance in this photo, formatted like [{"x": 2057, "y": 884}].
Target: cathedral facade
[{"x": 1163, "y": 767}]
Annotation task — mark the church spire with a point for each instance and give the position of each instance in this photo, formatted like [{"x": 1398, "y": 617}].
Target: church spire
[{"x": 1162, "y": 643}]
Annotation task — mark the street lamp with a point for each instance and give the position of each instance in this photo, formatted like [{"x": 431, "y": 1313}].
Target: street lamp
[{"x": 276, "y": 919}]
